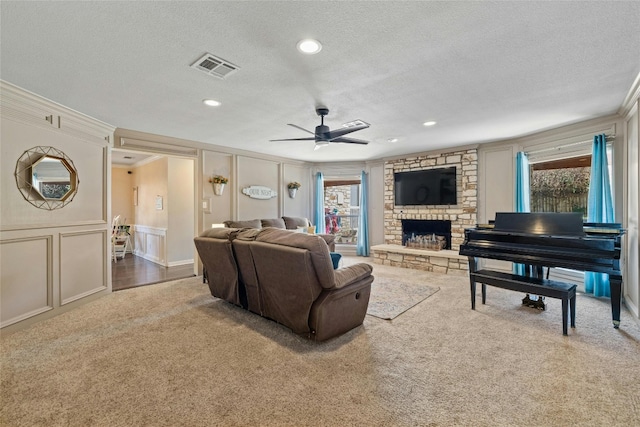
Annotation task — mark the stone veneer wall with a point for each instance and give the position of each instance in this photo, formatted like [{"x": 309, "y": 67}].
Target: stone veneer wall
[
  {"x": 331, "y": 197},
  {"x": 462, "y": 215}
]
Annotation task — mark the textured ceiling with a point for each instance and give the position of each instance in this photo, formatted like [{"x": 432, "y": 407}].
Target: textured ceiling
[{"x": 485, "y": 71}]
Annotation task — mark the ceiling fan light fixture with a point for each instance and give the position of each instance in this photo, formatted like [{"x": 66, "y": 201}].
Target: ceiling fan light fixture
[
  {"x": 211, "y": 102},
  {"x": 355, "y": 123},
  {"x": 429, "y": 123},
  {"x": 309, "y": 46},
  {"x": 320, "y": 144}
]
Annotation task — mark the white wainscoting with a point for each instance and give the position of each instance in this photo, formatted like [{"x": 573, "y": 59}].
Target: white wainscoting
[
  {"x": 29, "y": 261},
  {"x": 83, "y": 264},
  {"x": 150, "y": 243}
]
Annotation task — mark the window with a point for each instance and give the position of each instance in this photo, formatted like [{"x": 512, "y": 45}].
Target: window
[
  {"x": 342, "y": 209},
  {"x": 562, "y": 185}
]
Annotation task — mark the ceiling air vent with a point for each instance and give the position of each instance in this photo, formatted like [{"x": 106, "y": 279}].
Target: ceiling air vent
[{"x": 214, "y": 66}]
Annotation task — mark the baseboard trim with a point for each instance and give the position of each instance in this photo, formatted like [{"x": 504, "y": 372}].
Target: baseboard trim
[{"x": 177, "y": 263}]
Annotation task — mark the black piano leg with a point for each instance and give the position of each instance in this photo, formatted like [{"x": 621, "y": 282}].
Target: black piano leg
[
  {"x": 615, "y": 285},
  {"x": 473, "y": 267},
  {"x": 473, "y": 294},
  {"x": 565, "y": 315},
  {"x": 572, "y": 310}
]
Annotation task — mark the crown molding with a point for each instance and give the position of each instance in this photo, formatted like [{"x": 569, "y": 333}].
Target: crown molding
[{"x": 632, "y": 96}]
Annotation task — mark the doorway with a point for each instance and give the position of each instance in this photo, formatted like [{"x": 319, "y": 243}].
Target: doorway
[{"x": 154, "y": 196}]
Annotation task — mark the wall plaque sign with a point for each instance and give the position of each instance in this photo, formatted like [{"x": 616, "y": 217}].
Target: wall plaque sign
[{"x": 259, "y": 192}]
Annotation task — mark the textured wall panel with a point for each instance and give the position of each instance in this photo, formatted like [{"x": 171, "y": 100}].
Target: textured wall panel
[
  {"x": 27, "y": 278},
  {"x": 82, "y": 264}
]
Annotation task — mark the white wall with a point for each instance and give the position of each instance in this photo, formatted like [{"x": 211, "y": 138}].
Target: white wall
[
  {"x": 301, "y": 205},
  {"x": 164, "y": 217},
  {"x": 152, "y": 183},
  {"x": 252, "y": 171},
  {"x": 217, "y": 208},
  {"x": 122, "y": 194},
  {"x": 52, "y": 261},
  {"x": 180, "y": 202},
  {"x": 631, "y": 241},
  {"x": 376, "y": 204}
]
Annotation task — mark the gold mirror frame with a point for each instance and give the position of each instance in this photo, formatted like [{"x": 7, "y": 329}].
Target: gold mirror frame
[{"x": 31, "y": 190}]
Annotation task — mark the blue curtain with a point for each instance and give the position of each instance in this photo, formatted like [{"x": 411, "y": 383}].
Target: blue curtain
[
  {"x": 522, "y": 193},
  {"x": 599, "y": 209},
  {"x": 362, "y": 247},
  {"x": 318, "y": 214}
]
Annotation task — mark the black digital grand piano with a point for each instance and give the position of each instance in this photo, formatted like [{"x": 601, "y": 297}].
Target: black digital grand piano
[{"x": 545, "y": 240}]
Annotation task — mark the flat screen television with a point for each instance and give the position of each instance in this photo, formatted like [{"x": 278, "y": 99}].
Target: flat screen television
[{"x": 426, "y": 187}]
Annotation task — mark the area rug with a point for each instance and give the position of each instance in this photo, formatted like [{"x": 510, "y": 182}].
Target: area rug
[{"x": 390, "y": 298}]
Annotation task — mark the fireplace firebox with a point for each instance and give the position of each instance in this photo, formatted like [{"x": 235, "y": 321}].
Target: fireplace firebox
[{"x": 427, "y": 234}]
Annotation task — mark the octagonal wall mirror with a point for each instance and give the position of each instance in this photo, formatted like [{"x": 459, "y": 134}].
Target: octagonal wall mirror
[{"x": 46, "y": 177}]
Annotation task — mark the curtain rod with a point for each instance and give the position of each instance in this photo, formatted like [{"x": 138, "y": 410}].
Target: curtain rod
[{"x": 560, "y": 147}]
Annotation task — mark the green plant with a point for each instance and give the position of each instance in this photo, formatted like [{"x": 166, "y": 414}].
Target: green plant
[
  {"x": 218, "y": 179},
  {"x": 294, "y": 184}
]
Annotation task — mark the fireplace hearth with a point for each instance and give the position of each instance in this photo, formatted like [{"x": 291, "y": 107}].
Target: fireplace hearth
[{"x": 426, "y": 234}]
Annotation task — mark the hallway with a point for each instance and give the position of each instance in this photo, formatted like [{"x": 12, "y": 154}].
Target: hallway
[{"x": 133, "y": 271}]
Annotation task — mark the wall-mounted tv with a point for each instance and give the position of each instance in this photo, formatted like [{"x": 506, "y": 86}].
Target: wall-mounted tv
[{"x": 426, "y": 187}]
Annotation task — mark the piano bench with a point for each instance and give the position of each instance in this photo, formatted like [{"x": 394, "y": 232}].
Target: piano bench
[{"x": 530, "y": 285}]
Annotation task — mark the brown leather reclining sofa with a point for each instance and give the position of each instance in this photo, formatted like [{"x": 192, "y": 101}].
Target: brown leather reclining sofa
[
  {"x": 286, "y": 222},
  {"x": 287, "y": 277}
]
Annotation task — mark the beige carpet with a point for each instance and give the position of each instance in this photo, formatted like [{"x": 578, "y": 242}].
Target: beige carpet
[
  {"x": 390, "y": 298},
  {"x": 171, "y": 355}
]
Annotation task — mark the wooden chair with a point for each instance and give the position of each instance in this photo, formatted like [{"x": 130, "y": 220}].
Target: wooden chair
[{"x": 120, "y": 239}]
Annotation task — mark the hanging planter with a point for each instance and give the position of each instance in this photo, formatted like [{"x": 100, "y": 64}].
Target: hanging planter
[
  {"x": 293, "y": 189},
  {"x": 218, "y": 182},
  {"x": 218, "y": 189}
]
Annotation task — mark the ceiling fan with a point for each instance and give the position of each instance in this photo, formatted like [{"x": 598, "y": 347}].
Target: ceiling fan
[{"x": 324, "y": 136}]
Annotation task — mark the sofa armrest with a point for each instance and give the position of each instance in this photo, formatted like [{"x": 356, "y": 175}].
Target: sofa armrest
[
  {"x": 330, "y": 239},
  {"x": 351, "y": 274}
]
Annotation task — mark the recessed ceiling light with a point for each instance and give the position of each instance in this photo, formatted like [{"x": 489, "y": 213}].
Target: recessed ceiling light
[
  {"x": 211, "y": 102},
  {"x": 430, "y": 123},
  {"x": 392, "y": 140},
  {"x": 309, "y": 46}
]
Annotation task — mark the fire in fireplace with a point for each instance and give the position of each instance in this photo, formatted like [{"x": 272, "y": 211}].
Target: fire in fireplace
[{"x": 427, "y": 234}]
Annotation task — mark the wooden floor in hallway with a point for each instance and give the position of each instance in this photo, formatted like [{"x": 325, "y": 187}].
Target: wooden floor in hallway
[{"x": 133, "y": 271}]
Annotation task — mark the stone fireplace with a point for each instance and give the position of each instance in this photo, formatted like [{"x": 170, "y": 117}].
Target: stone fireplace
[
  {"x": 461, "y": 215},
  {"x": 458, "y": 217}
]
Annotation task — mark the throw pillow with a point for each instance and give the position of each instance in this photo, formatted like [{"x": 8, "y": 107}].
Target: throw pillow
[{"x": 335, "y": 259}]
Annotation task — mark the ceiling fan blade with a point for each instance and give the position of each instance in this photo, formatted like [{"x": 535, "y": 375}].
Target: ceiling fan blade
[
  {"x": 343, "y": 131},
  {"x": 298, "y": 127},
  {"x": 350, "y": 140},
  {"x": 293, "y": 139}
]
